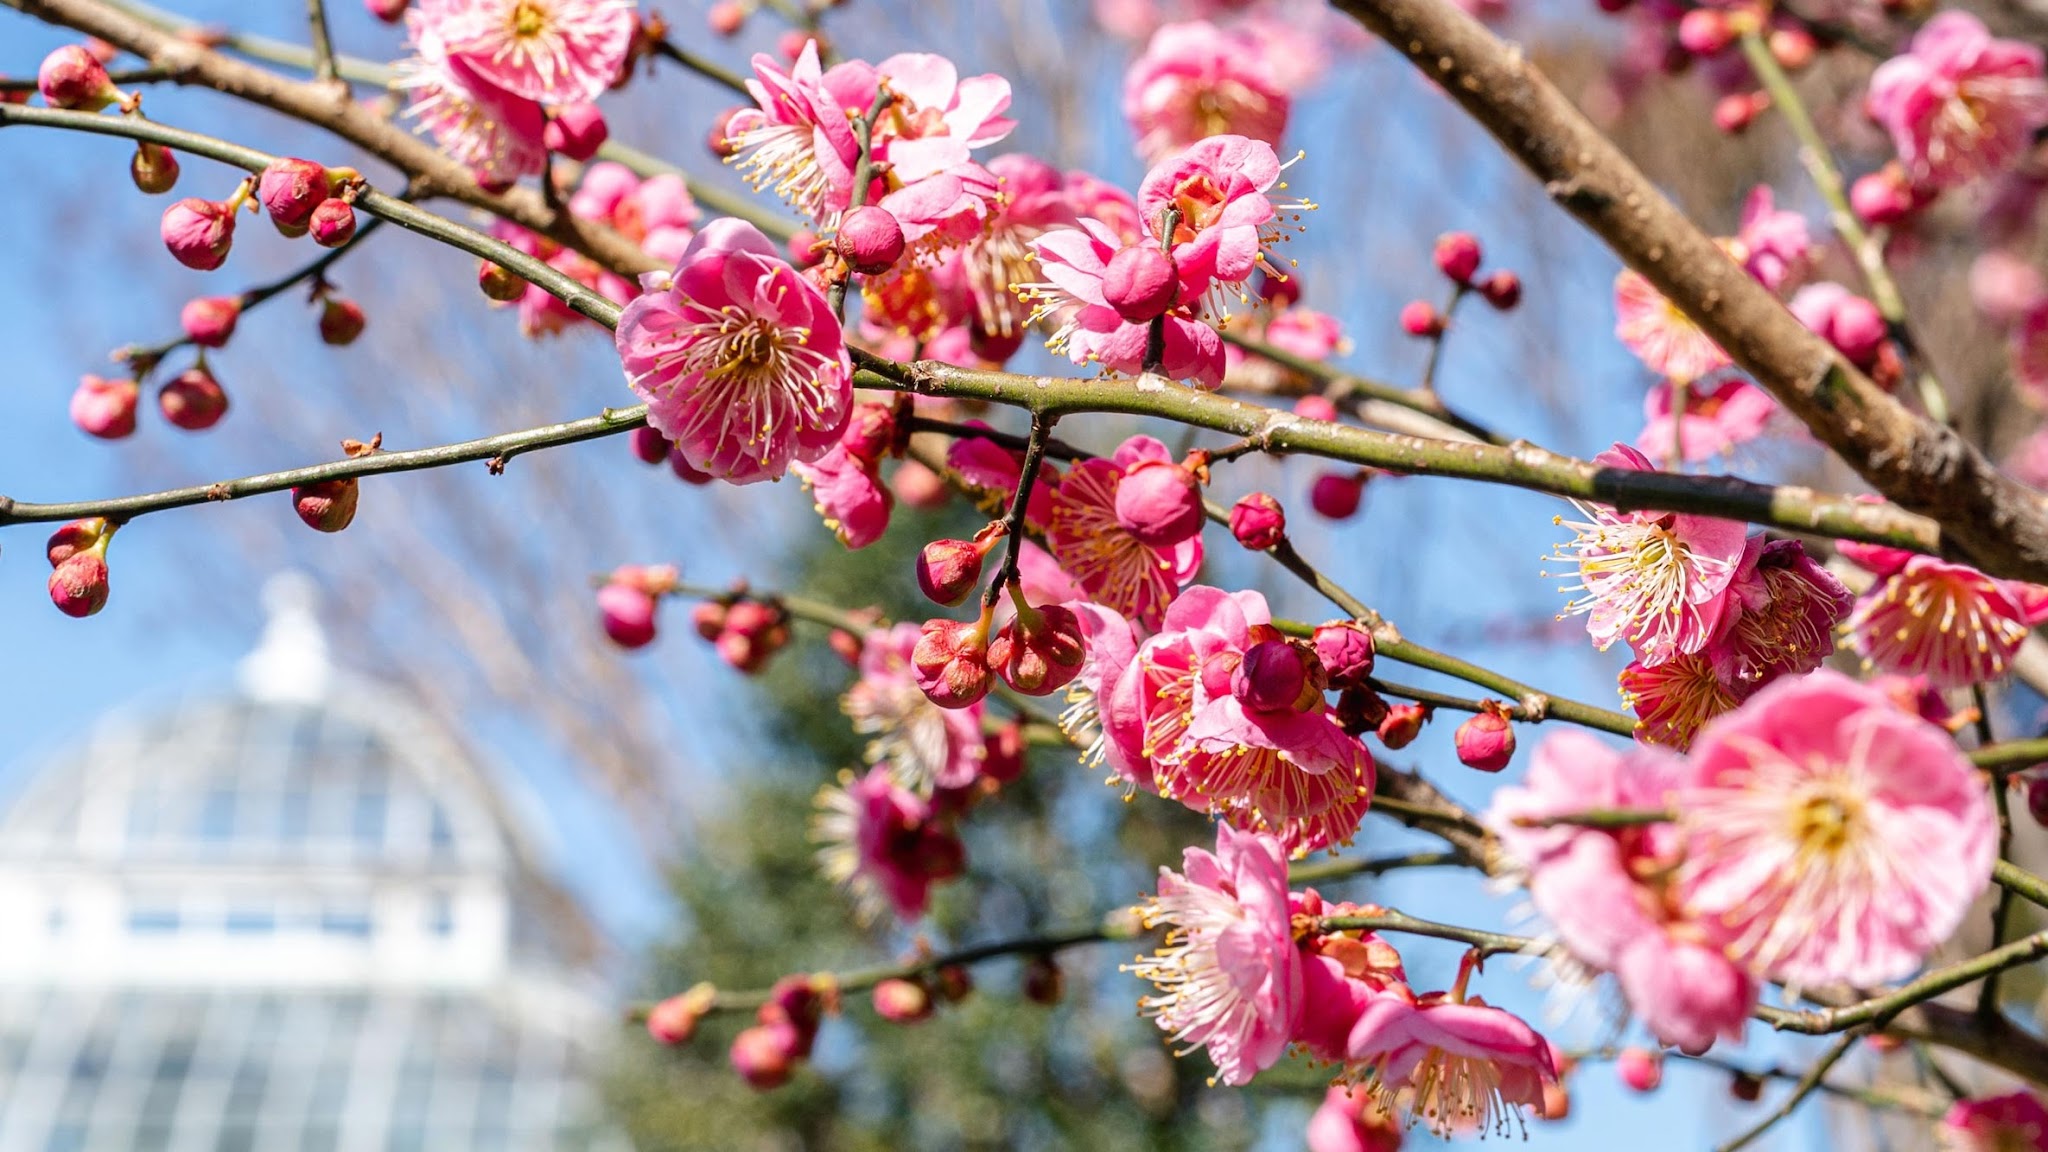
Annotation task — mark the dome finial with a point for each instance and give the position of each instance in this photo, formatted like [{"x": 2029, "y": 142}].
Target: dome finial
[{"x": 290, "y": 661}]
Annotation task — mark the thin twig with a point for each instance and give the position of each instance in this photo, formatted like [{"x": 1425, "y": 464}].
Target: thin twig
[
  {"x": 324, "y": 70},
  {"x": 1013, "y": 520},
  {"x": 1800, "y": 1091},
  {"x": 670, "y": 50}
]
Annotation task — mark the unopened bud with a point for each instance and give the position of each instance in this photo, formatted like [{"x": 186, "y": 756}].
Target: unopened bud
[
  {"x": 1457, "y": 256},
  {"x": 1002, "y": 756},
  {"x": 576, "y": 131},
  {"x": 765, "y": 1055},
  {"x": 951, "y": 660},
  {"x": 955, "y": 983},
  {"x": 726, "y": 17},
  {"x": 199, "y": 232},
  {"x": 73, "y": 538},
  {"x": 1039, "y": 649},
  {"x": 154, "y": 168},
  {"x": 1793, "y": 47},
  {"x": 327, "y": 505},
  {"x": 499, "y": 282},
  {"x": 1420, "y": 318},
  {"x": 105, "y": 408},
  {"x": 74, "y": 78},
  {"x": 1346, "y": 650},
  {"x": 333, "y": 223},
  {"x": 2037, "y": 799},
  {"x": 870, "y": 240},
  {"x": 1360, "y": 710},
  {"x": 1487, "y": 740},
  {"x": 902, "y": 1001},
  {"x": 193, "y": 400},
  {"x": 389, "y": 11},
  {"x": 1316, "y": 406},
  {"x": 341, "y": 321},
  {"x": 708, "y": 618},
  {"x": 1044, "y": 983},
  {"x": 1160, "y": 503},
  {"x": 1884, "y": 196},
  {"x": 1735, "y": 112},
  {"x": 1258, "y": 522},
  {"x": 209, "y": 321},
  {"x": 1641, "y": 1070},
  {"x": 1336, "y": 495},
  {"x": 1747, "y": 1087},
  {"x": 1272, "y": 678},
  {"x": 1705, "y": 31},
  {"x": 845, "y": 645},
  {"x": 649, "y": 445},
  {"x": 1403, "y": 723},
  {"x": 674, "y": 1020},
  {"x": 78, "y": 586},
  {"x": 871, "y": 432},
  {"x": 1140, "y": 283},
  {"x": 628, "y": 614},
  {"x": 805, "y": 249},
  {"x": 949, "y": 570},
  {"x": 290, "y": 189},
  {"x": 1503, "y": 290}
]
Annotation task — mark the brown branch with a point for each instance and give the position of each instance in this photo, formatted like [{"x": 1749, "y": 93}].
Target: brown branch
[{"x": 1993, "y": 520}]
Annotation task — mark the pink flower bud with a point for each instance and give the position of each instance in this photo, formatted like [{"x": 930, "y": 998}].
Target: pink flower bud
[
  {"x": 845, "y": 645},
  {"x": 1336, "y": 495},
  {"x": 78, "y": 586},
  {"x": 627, "y": 613},
  {"x": 649, "y": 445},
  {"x": 73, "y": 538},
  {"x": 920, "y": 487},
  {"x": 1858, "y": 329},
  {"x": 754, "y": 632},
  {"x": 1258, "y": 522},
  {"x": 1457, "y": 256},
  {"x": 1884, "y": 196},
  {"x": 951, "y": 662},
  {"x": 939, "y": 854},
  {"x": 105, "y": 408},
  {"x": 389, "y": 11},
  {"x": 720, "y": 142},
  {"x": 333, "y": 223},
  {"x": 1705, "y": 31},
  {"x": 726, "y": 17},
  {"x": 1346, "y": 650},
  {"x": 2006, "y": 287},
  {"x": 1316, "y": 406},
  {"x": 290, "y": 189},
  {"x": 708, "y": 618},
  {"x": 209, "y": 320},
  {"x": 1641, "y": 1070},
  {"x": 1043, "y": 981},
  {"x": 1271, "y": 678},
  {"x": 902, "y": 1001},
  {"x": 154, "y": 168},
  {"x": 1282, "y": 292},
  {"x": 1039, "y": 649},
  {"x": 765, "y": 1055},
  {"x": 1160, "y": 503},
  {"x": 1002, "y": 754},
  {"x": 199, "y": 232},
  {"x": 949, "y": 570},
  {"x": 193, "y": 400},
  {"x": 499, "y": 282},
  {"x": 1747, "y": 1087},
  {"x": 1487, "y": 740},
  {"x": 805, "y": 249},
  {"x": 1503, "y": 290},
  {"x": 674, "y": 1020},
  {"x": 341, "y": 321},
  {"x": 576, "y": 131},
  {"x": 871, "y": 432},
  {"x": 1793, "y": 47},
  {"x": 327, "y": 505},
  {"x": 685, "y": 471},
  {"x": 1420, "y": 318},
  {"x": 870, "y": 239},
  {"x": 1735, "y": 112},
  {"x": 1402, "y": 724},
  {"x": 72, "y": 77},
  {"x": 1140, "y": 282},
  {"x": 2037, "y": 799}
]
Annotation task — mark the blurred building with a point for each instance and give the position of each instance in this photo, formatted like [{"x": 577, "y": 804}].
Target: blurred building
[{"x": 296, "y": 916}]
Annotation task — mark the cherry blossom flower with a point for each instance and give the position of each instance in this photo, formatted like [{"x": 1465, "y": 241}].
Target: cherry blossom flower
[
  {"x": 1655, "y": 579},
  {"x": 925, "y": 746},
  {"x": 552, "y": 51},
  {"x": 1087, "y": 330},
  {"x": 878, "y": 842},
  {"x": 1661, "y": 336},
  {"x": 1218, "y": 186},
  {"x": 738, "y": 357},
  {"x": 1958, "y": 103},
  {"x": 944, "y": 210},
  {"x": 1810, "y": 815},
  {"x": 1946, "y": 621},
  {"x": 1449, "y": 1063},
  {"x": 798, "y": 138},
  {"x": 1195, "y": 81},
  {"x": 1111, "y": 645},
  {"x": 657, "y": 213},
  {"x": 1115, "y": 568},
  {"x": 849, "y": 494},
  {"x": 1720, "y": 416},
  {"x": 1228, "y": 976},
  {"x": 2014, "y": 1122}
]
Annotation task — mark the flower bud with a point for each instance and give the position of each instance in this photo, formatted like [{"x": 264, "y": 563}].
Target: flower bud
[
  {"x": 940, "y": 855},
  {"x": 1360, "y": 710},
  {"x": 951, "y": 662},
  {"x": 74, "y": 78},
  {"x": 209, "y": 320},
  {"x": 790, "y": 44},
  {"x": 199, "y": 232},
  {"x": 805, "y": 249},
  {"x": 919, "y": 487},
  {"x": 1884, "y": 196},
  {"x": 327, "y": 505},
  {"x": 78, "y": 586},
  {"x": 1272, "y": 678},
  {"x": 1160, "y": 503},
  {"x": 2037, "y": 799},
  {"x": 1641, "y": 1070},
  {"x": 576, "y": 131},
  {"x": 291, "y": 188},
  {"x": 1793, "y": 47},
  {"x": 955, "y": 983},
  {"x": 1457, "y": 256},
  {"x": 1002, "y": 756},
  {"x": 949, "y": 570},
  {"x": 193, "y": 400},
  {"x": 1705, "y": 31},
  {"x": 1316, "y": 406},
  {"x": 1258, "y": 522},
  {"x": 154, "y": 168},
  {"x": 1420, "y": 318},
  {"x": 627, "y": 613},
  {"x": 333, "y": 223},
  {"x": 685, "y": 471},
  {"x": 1858, "y": 328},
  {"x": 708, "y": 618},
  {"x": 870, "y": 240},
  {"x": 105, "y": 408},
  {"x": 499, "y": 282},
  {"x": 726, "y": 17},
  {"x": 73, "y": 538},
  {"x": 389, "y": 11},
  {"x": 901, "y": 1001},
  {"x": 720, "y": 142},
  {"x": 845, "y": 645},
  {"x": 674, "y": 1020},
  {"x": 1747, "y": 1087},
  {"x": 1043, "y": 981},
  {"x": 765, "y": 1055},
  {"x": 1346, "y": 650},
  {"x": 1336, "y": 495},
  {"x": 754, "y": 632},
  {"x": 1140, "y": 282},
  {"x": 649, "y": 445},
  {"x": 1039, "y": 649},
  {"x": 1503, "y": 290},
  {"x": 1403, "y": 723},
  {"x": 1487, "y": 740},
  {"x": 341, "y": 321}
]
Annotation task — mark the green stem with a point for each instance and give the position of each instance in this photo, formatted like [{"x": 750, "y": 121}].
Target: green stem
[{"x": 1388, "y": 920}]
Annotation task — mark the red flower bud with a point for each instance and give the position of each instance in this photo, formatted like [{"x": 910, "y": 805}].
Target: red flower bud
[
  {"x": 1043, "y": 981},
  {"x": 1884, "y": 196},
  {"x": 919, "y": 487},
  {"x": 1403, "y": 723},
  {"x": 870, "y": 432},
  {"x": 805, "y": 249},
  {"x": 105, "y": 408},
  {"x": 1346, "y": 650},
  {"x": 209, "y": 320},
  {"x": 790, "y": 44},
  {"x": 291, "y": 189},
  {"x": 1642, "y": 1071},
  {"x": 341, "y": 321},
  {"x": 708, "y": 617},
  {"x": 1039, "y": 649},
  {"x": 649, "y": 445},
  {"x": 720, "y": 142},
  {"x": 955, "y": 982},
  {"x": 765, "y": 1055},
  {"x": 1336, "y": 495},
  {"x": 1457, "y": 256},
  {"x": 1420, "y": 318},
  {"x": 1705, "y": 31},
  {"x": 1140, "y": 282},
  {"x": 499, "y": 282},
  {"x": 674, "y": 1020},
  {"x": 686, "y": 471},
  {"x": 72, "y": 77},
  {"x": 846, "y": 646},
  {"x": 193, "y": 400},
  {"x": 627, "y": 613},
  {"x": 333, "y": 223},
  {"x": 1258, "y": 522},
  {"x": 73, "y": 538},
  {"x": 726, "y": 17},
  {"x": 2037, "y": 799},
  {"x": 949, "y": 570},
  {"x": 1360, "y": 710},
  {"x": 1735, "y": 112},
  {"x": 154, "y": 168},
  {"x": 1272, "y": 678},
  {"x": 1002, "y": 758},
  {"x": 951, "y": 662},
  {"x": 1503, "y": 290},
  {"x": 1793, "y": 47},
  {"x": 870, "y": 239},
  {"x": 901, "y": 1001},
  {"x": 389, "y": 11},
  {"x": 78, "y": 586},
  {"x": 327, "y": 505},
  {"x": 1487, "y": 740},
  {"x": 994, "y": 347},
  {"x": 1160, "y": 503},
  {"x": 576, "y": 131},
  {"x": 1747, "y": 1087},
  {"x": 199, "y": 232}
]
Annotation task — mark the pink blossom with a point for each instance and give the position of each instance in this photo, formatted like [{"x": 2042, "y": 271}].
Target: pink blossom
[
  {"x": 1946, "y": 621},
  {"x": 1661, "y": 336},
  {"x": 1218, "y": 186},
  {"x": 1720, "y": 415},
  {"x": 925, "y": 746},
  {"x": 2006, "y": 287},
  {"x": 1088, "y": 330},
  {"x": 1195, "y": 81},
  {"x": 552, "y": 51},
  {"x": 1349, "y": 1120},
  {"x": 994, "y": 468},
  {"x": 1673, "y": 700},
  {"x": 2014, "y": 1122},
  {"x": 2027, "y": 356},
  {"x": 1090, "y": 197},
  {"x": 1687, "y": 993},
  {"x": 738, "y": 357},
  {"x": 1786, "y": 608},
  {"x": 1810, "y": 814},
  {"x": 657, "y": 213},
  {"x": 1574, "y": 771},
  {"x": 1000, "y": 259},
  {"x": 849, "y": 495},
  {"x": 878, "y": 842},
  {"x": 1656, "y": 579},
  {"x": 1958, "y": 103},
  {"x": 1775, "y": 245},
  {"x": 1111, "y": 646},
  {"x": 1228, "y": 976},
  {"x": 946, "y": 209},
  {"x": 798, "y": 138},
  {"x": 1463, "y": 1064},
  {"x": 937, "y": 118},
  {"x": 1307, "y": 333},
  {"x": 1113, "y": 566},
  {"x": 497, "y": 134}
]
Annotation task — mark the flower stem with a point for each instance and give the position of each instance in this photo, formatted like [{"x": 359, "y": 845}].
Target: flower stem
[{"x": 1013, "y": 520}]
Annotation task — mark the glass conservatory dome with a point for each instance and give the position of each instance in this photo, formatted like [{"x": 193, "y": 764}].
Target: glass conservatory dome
[{"x": 295, "y": 916}]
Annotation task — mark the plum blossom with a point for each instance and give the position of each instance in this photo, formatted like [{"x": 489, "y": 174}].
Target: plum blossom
[
  {"x": 849, "y": 494},
  {"x": 1775, "y": 245},
  {"x": 1195, "y": 81},
  {"x": 1674, "y": 699},
  {"x": 497, "y": 134},
  {"x": 1111, "y": 646},
  {"x": 2014, "y": 1122},
  {"x": 1661, "y": 336},
  {"x": 879, "y": 843},
  {"x": 1218, "y": 187},
  {"x": 937, "y": 117},
  {"x": 1449, "y": 1062},
  {"x": 1087, "y": 330},
  {"x": 1958, "y": 103},
  {"x": 1810, "y": 815},
  {"x": 1786, "y": 606},
  {"x": 552, "y": 51},
  {"x": 1228, "y": 975},
  {"x": 1933, "y": 617},
  {"x": 797, "y": 139},
  {"x": 739, "y": 358},
  {"x": 926, "y": 747},
  {"x": 994, "y": 468},
  {"x": 1114, "y": 567},
  {"x": 1720, "y": 416},
  {"x": 1000, "y": 259}
]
